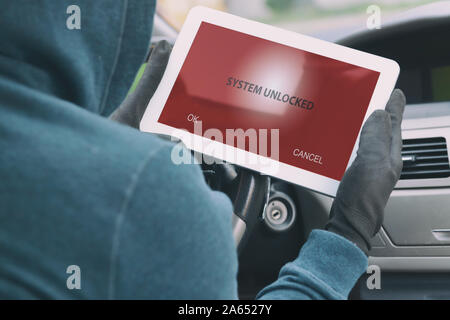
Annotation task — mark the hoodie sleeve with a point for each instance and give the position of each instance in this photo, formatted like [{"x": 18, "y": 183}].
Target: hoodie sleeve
[
  {"x": 327, "y": 267},
  {"x": 173, "y": 239}
]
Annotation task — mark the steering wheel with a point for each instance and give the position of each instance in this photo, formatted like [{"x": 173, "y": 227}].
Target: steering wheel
[{"x": 249, "y": 192}]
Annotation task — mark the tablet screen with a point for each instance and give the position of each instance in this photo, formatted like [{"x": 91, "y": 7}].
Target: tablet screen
[{"x": 232, "y": 80}]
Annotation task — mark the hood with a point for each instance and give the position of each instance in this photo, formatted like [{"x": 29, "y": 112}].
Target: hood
[{"x": 93, "y": 66}]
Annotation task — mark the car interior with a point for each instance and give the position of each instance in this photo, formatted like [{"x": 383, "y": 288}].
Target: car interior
[{"x": 273, "y": 218}]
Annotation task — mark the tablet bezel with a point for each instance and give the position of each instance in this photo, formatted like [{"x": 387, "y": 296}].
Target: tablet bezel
[{"x": 388, "y": 69}]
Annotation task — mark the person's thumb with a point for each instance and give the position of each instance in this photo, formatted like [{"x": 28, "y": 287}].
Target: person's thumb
[
  {"x": 395, "y": 107},
  {"x": 133, "y": 107},
  {"x": 156, "y": 65},
  {"x": 375, "y": 140}
]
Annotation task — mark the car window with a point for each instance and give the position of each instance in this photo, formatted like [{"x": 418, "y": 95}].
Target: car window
[{"x": 321, "y": 18}]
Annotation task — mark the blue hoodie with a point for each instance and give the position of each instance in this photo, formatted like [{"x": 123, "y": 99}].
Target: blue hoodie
[{"x": 79, "y": 189}]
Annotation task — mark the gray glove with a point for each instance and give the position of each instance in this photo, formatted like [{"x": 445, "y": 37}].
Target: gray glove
[
  {"x": 132, "y": 109},
  {"x": 358, "y": 210}
]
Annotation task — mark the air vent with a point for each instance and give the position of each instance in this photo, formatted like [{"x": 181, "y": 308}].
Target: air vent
[{"x": 425, "y": 159}]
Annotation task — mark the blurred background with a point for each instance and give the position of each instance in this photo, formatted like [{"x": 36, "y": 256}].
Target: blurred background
[{"x": 326, "y": 19}]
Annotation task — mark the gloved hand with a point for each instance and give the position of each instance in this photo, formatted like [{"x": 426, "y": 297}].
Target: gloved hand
[
  {"x": 132, "y": 109},
  {"x": 358, "y": 209}
]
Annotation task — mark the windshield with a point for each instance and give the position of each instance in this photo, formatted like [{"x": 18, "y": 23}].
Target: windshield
[{"x": 327, "y": 19}]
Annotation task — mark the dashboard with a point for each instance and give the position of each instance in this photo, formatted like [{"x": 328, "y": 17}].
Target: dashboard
[
  {"x": 423, "y": 55},
  {"x": 426, "y": 83}
]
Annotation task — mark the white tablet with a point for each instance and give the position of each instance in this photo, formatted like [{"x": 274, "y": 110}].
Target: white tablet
[{"x": 271, "y": 100}]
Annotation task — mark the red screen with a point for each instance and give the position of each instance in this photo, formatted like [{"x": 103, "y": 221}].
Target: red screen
[{"x": 233, "y": 80}]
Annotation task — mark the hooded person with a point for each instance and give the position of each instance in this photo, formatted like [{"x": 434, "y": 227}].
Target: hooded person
[{"x": 81, "y": 192}]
